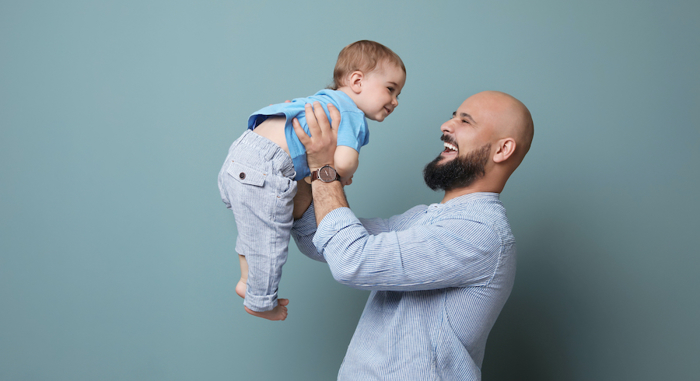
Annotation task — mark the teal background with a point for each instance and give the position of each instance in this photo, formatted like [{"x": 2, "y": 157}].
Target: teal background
[{"x": 116, "y": 253}]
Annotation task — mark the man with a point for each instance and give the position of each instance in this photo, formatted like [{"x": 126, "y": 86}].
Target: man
[{"x": 439, "y": 274}]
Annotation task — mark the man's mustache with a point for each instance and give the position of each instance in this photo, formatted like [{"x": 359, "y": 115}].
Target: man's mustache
[{"x": 449, "y": 139}]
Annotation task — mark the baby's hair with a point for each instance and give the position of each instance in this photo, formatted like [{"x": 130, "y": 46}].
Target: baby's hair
[{"x": 364, "y": 56}]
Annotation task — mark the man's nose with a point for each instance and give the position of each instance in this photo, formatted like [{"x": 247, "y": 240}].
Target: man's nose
[{"x": 447, "y": 126}]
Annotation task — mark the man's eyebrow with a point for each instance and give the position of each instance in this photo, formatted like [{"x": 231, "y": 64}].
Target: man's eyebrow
[{"x": 463, "y": 115}]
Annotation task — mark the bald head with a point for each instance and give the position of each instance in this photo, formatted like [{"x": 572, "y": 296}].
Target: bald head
[{"x": 506, "y": 117}]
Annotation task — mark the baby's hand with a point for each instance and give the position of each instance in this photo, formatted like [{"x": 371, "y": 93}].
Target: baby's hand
[{"x": 346, "y": 181}]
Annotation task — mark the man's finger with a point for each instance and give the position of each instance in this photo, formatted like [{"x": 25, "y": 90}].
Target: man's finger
[
  {"x": 311, "y": 121},
  {"x": 301, "y": 134},
  {"x": 321, "y": 119},
  {"x": 335, "y": 117}
]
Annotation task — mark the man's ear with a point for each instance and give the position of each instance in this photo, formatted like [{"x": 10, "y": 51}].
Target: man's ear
[
  {"x": 505, "y": 149},
  {"x": 355, "y": 81}
]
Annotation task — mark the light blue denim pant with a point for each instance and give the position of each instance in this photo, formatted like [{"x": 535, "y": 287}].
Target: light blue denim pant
[{"x": 256, "y": 183}]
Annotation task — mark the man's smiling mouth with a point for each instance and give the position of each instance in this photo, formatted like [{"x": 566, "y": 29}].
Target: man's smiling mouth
[
  {"x": 450, "y": 144},
  {"x": 450, "y": 148}
]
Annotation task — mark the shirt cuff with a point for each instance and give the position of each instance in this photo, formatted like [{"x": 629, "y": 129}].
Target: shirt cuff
[{"x": 335, "y": 221}]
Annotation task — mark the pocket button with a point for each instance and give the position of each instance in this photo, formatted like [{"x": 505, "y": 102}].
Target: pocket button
[{"x": 242, "y": 175}]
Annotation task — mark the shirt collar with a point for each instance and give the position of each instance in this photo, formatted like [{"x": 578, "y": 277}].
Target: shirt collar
[{"x": 471, "y": 197}]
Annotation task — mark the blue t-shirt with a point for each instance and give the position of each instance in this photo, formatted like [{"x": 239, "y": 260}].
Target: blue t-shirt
[{"x": 352, "y": 132}]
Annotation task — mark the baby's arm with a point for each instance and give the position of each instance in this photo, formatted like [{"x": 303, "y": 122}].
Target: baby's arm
[{"x": 346, "y": 160}]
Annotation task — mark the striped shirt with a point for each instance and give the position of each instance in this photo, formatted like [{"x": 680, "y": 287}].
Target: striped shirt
[{"x": 439, "y": 276}]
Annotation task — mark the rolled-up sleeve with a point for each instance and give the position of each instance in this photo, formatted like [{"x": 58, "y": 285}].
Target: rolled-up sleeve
[{"x": 451, "y": 253}]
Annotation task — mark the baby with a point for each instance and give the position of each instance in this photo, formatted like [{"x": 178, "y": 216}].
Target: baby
[{"x": 258, "y": 179}]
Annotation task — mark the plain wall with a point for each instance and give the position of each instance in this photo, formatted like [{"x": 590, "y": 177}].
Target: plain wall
[{"x": 116, "y": 253}]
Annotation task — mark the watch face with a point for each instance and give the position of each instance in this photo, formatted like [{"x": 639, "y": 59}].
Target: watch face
[{"x": 327, "y": 174}]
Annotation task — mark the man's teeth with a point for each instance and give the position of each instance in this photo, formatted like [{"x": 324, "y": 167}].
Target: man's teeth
[{"x": 450, "y": 147}]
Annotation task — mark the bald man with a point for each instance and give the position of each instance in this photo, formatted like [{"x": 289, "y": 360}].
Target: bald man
[{"x": 439, "y": 274}]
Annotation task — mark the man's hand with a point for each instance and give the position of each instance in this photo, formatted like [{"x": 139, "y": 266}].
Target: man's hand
[{"x": 320, "y": 146}]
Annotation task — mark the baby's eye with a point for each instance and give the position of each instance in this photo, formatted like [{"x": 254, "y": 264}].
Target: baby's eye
[{"x": 391, "y": 89}]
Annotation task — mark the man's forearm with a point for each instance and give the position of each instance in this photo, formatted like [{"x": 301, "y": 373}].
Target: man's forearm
[{"x": 327, "y": 197}]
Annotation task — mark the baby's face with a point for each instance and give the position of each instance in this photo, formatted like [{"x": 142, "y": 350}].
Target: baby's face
[{"x": 380, "y": 91}]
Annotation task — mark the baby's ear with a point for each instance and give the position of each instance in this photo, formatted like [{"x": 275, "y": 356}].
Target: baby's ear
[{"x": 355, "y": 81}]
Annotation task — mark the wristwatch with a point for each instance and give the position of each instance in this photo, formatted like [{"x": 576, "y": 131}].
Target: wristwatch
[{"x": 326, "y": 174}]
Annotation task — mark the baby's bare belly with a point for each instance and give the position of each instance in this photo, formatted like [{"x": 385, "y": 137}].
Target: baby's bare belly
[{"x": 273, "y": 129}]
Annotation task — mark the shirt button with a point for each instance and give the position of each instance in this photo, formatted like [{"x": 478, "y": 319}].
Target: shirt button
[{"x": 242, "y": 176}]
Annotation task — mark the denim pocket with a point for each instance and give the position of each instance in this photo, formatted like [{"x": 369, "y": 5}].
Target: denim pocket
[
  {"x": 288, "y": 186},
  {"x": 246, "y": 175}
]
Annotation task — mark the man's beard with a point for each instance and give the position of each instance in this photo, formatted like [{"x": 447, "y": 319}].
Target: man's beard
[{"x": 458, "y": 172}]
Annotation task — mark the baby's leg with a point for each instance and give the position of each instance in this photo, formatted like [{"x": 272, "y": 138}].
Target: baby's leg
[
  {"x": 277, "y": 313},
  {"x": 259, "y": 179},
  {"x": 240, "y": 287}
]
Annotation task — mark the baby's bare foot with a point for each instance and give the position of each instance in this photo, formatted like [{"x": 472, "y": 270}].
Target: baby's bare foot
[{"x": 277, "y": 313}]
